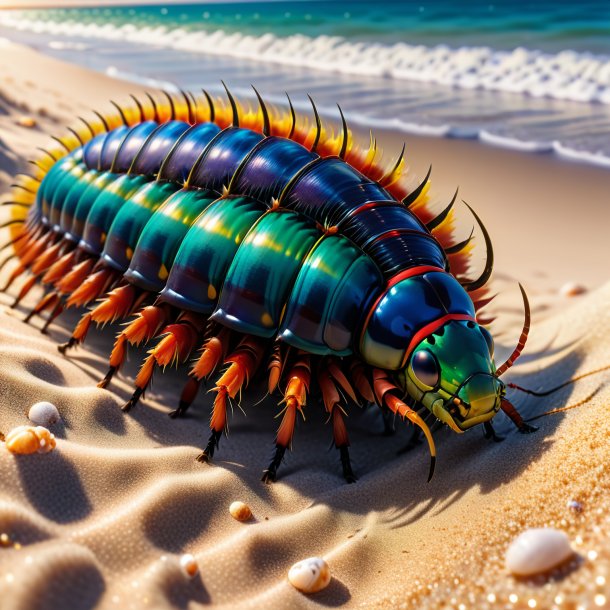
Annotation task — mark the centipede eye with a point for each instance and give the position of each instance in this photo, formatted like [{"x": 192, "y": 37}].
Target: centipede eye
[
  {"x": 426, "y": 368},
  {"x": 488, "y": 339}
]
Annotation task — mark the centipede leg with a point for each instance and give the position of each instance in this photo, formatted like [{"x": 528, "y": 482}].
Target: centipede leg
[
  {"x": 510, "y": 410},
  {"x": 295, "y": 398}
]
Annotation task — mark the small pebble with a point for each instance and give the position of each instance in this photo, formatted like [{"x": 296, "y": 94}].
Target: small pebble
[
  {"x": 25, "y": 440},
  {"x": 26, "y": 121},
  {"x": 309, "y": 575},
  {"x": 536, "y": 551},
  {"x": 188, "y": 565},
  {"x": 5, "y": 540},
  {"x": 44, "y": 414},
  {"x": 571, "y": 289},
  {"x": 240, "y": 511},
  {"x": 574, "y": 505}
]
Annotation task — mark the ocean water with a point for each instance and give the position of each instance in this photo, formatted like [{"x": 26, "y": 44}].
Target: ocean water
[{"x": 533, "y": 77}]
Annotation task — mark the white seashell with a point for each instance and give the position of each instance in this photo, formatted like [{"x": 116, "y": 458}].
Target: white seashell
[
  {"x": 240, "y": 511},
  {"x": 571, "y": 289},
  {"x": 44, "y": 414},
  {"x": 188, "y": 565},
  {"x": 537, "y": 550},
  {"x": 309, "y": 575}
]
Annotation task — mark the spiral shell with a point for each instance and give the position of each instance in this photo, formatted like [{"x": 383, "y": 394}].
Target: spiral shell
[{"x": 25, "y": 440}]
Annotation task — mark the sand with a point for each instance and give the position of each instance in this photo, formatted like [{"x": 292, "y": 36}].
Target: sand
[{"x": 103, "y": 520}]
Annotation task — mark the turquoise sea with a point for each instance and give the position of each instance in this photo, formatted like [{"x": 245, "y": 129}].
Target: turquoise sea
[{"x": 532, "y": 76}]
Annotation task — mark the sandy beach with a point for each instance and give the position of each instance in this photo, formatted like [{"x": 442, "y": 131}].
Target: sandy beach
[{"x": 103, "y": 520}]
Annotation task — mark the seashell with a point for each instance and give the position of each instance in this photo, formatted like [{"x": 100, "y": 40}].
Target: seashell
[
  {"x": 309, "y": 575},
  {"x": 44, "y": 414},
  {"x": 571, "y": 289},
  {"x": 538, "y": 550},
  {"x": 574, "y": 505},
  {"x": 26, "y": 121},
  {"x": 188, "y": 565},
  {"x": 25, "y": 440},
  {"x": 240, "y": 511}
]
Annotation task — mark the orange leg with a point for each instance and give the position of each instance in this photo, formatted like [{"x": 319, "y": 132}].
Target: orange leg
[
  {"x": 294, "y": 399},
  {"x": 332, "y": 399},
  {"x": 177, "y": 342},
  {"x": 213, "y": 353},
  {"x": 243, "y": 363}
]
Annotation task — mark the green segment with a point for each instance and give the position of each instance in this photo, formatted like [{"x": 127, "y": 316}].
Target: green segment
[
  {"x": 130, "y": 221},
  {"x": 156, "y": 249},
  {"x": 330, "y": 294},
  {"x": 105, "y": 208},
  {"x": 262, "y": 273},
  {"x": 55, "y": 174},
  {"x": 202, "y": 261},
  {"x": 73, "y": 197}
]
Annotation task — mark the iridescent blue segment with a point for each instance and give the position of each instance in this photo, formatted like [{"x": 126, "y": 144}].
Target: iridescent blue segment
[
  {"x": 216, "y": 166},
  {"x": 61, "y": 189},
  {"x": 112, "y": 143},
  {"x": 405, "y": 309},
  {"x": 367, "y": 225},
  {"x": 151, "y": 155},
  {"x": 55, "y": 174},
  {"x": 92, "y": 150},
  {"x": 400, "y": 250},
  {"x": 182, "y": 157},
  {"x": 269, "y": 167},
  {"x": 130, "y": 146},
  {"x": 72, "y": 198},
  {"x": 333, "y": 291},
  {"x": 328, "y": 190}
]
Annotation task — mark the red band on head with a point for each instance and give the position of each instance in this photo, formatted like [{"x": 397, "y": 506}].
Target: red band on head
[{"x": 422, "y": 333}]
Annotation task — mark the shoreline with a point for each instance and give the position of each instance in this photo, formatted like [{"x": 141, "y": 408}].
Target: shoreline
[{"x": 122, "y": 497}]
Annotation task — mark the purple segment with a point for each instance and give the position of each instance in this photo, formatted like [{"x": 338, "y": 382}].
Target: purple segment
[
  {"x": 93, "y": 150},
  {"x": 329, "y": 189},
  {"x": 149, "y": 159},
  {"x": 269, "y": 167},
  {"x": 113, "y": 141},
  {"x": 216, "y": 166},
  {"x": 130, "y": 146},
  {"x": 187, "y": 150}
]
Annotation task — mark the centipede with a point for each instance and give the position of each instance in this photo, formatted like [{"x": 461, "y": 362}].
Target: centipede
[{"x": 250, "y": 241}]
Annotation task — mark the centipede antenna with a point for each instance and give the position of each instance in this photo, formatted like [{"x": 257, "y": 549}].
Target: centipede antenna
[
  {"x": 233, "y": 105},
  {"x": 522, "y": 339},
  {"x": 46, "y": 152},
  {"x": 441, "y": 217},
  {"x": 10, "y": 223},
  {"x": 489, "y": 262},
  {"x": 293, "y": 116},
  {"x": 266, "y": 123},
  {"x": 210, "y": 101},
  {"x": 121, "y": 113},
  {"x": 139, "y": 105},
  {"x": 561, "y": 385},
  {"x": 460, "y": 245},
  {"x": 343, "y": 150},
  {"x": 188, "y": 106},
  {"x": 154, "y": 105},
  {"x": 62, "y": 143},
  {"x": 88, "y": 125},
  {"x": 412, "y": 197},
  {"x": 172, "y": 106},
  {"x": 102, "y": 118},
  {"x": 318, "y": 125},
  {"x": 75, "y": 134},
  {"x": 23, "y": 188},
  {"x": 396, "y": 165},
  {"x": 17, "y": 204}
]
